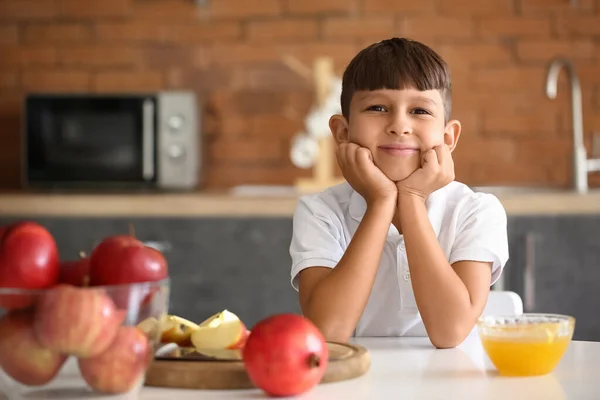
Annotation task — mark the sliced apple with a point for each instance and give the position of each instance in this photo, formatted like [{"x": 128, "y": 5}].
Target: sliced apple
[
  {"x": 177, "y": 330},
  {"x": 223, "y": 330},
  {"x": 173, "y": 329},
  {"x": 150, "y": 326}
]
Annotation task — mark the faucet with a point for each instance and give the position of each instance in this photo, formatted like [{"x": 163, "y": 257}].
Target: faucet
[{"x": 581, "y": 165}]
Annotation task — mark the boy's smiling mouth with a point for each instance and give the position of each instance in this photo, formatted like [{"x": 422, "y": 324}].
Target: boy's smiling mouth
[{"x": 399, "y": 149}]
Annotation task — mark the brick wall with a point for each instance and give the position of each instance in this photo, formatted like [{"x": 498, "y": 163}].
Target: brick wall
[{"x": 231, "y": 53}]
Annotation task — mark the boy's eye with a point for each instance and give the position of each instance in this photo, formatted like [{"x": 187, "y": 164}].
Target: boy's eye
[
  {"x": 377, "y": 108},
  {"x": 421, "y": 111}
]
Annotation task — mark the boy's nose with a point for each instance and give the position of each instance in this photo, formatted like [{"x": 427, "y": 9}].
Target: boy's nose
[{"x": 399, "y": 124}]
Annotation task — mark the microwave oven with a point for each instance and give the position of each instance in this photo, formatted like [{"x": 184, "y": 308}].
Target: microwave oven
[{"x": 111, "y": 141}]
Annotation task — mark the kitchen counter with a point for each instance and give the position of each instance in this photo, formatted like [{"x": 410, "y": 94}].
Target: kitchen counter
[
  {"x": 410, "y": 368},
  {"x": 248, "y": 203}
]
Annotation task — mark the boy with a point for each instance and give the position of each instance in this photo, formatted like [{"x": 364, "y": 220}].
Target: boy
[{"x": 400, "y": 248}]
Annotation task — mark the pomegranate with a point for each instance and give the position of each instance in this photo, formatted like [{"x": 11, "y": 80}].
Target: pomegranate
[{"x": 285, "y": 355}]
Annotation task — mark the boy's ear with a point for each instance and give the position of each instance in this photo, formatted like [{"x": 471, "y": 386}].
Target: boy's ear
[
  {"x": 339, "y": 128},
  {"x": 452, "y": 133}
]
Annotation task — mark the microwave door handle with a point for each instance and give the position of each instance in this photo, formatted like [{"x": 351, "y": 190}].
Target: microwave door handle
[{"x": 148, "y": 141}]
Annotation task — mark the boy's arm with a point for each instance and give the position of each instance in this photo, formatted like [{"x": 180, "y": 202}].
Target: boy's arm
[
  {"x": 334, "y": 299},
  {"x": 450, "y": 298}
]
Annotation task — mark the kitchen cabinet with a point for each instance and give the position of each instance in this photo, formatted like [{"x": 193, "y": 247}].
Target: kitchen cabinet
[
  {"x": 243, "y": 263},
  {"x": 239, "y": 264},
  {"x": 555, "y": 267}
]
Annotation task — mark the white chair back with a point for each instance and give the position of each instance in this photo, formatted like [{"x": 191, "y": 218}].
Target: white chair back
[{"x": 503, "y": 302}]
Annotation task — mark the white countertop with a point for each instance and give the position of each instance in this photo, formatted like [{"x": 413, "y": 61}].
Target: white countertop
[{"x": 410, "y": 368}]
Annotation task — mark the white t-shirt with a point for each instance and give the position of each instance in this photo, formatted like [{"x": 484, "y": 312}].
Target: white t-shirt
[{"x": 469, "y": 226}]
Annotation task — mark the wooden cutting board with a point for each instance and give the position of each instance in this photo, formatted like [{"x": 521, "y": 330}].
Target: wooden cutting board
[{"x": 224, "y": 369}]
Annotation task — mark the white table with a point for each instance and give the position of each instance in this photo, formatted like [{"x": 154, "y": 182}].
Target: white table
[{"x": 410, "y": 368}]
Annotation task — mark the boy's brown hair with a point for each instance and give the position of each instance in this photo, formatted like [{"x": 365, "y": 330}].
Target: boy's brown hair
[{"x": 397, "y": 63}]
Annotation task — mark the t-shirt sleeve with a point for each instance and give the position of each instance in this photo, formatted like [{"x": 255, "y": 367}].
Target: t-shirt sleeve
[
  {"x": 482, "y": 233},
  {"x": 316, "y": 237}
]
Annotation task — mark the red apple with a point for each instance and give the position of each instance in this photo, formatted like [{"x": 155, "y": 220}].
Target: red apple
[
  {"x": 77, "y": 321},
  {"x": 21, "y": 355},
  {"x": 75, "y": 272},
  {"x": 285, "y": 355},
  {"x": 123, "y": 259},
  {"x": 120, "y": 367},
  {"x": 28, "y": 260}
]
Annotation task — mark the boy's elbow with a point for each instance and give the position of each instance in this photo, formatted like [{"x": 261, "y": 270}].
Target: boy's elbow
[
  {"x": 332, "y": 332},
  {"x": 448, "y": 339}
]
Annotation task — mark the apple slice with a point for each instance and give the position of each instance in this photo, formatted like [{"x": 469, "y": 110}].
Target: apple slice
[
  {"x": 223, "y": 330},
  {"x": 177, "y": 330},
  {"x": 173, "y": 329}
]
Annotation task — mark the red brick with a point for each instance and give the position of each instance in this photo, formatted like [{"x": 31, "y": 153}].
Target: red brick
[
  {"x": 9, "y": 34},
  {"x": 307, "y": 53},
  {"x": 136, "y": 31},
  {"x": 477, "y": 7},
  {"x": 100, "y": 56},
  {"x": 375, "y": 28},
  {"x": 399, "y": 6},
  {"x": 438, "y": 28},
  {"x": 167, "y": 10},
  {"x": 528, "y": 123},
  {"x": 271, "y": 76},
  {"x": 579, "y": 25},
  {"x": 234, "y": 54},
  {"x": 56, "y": 80},
  {"x": 21, "y": 56},
  {"x": 227, "y": 176},
  {"x": 9, "y": 80},
  {"x": 206, "y": 32},
  {"x": 241, "y": 8},
  {"x": 282, "y": 30},
  {"x": 559, "y": 7},
  {"x": 95, "y": 9},
  {"x": 588, "y": 74},
  {"x": 509, "y": 78},
  {"x": 128, "y": 81},
  {"x": 27, "y": 9},
  {"x": 246, "y": 150},
  {"x": 472, "y": 149},
  {"x": 479, "y": 55},
  {"x": 545, "y": 50},
  {"x": 259, "y": 126},
  {"x": 321, "y": 6},
  {"x": 56, "y": 33},
  {"x": 206, "y": 80},
  {"x": 502, "y": 27}
]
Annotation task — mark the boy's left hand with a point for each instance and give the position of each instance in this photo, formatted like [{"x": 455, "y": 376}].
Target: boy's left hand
[{"x": 437, "y": 170}]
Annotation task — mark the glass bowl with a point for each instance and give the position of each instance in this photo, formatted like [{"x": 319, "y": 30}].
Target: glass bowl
[
  {"x": 78, "y": 342},
  {"x": 527, "y": 344}
]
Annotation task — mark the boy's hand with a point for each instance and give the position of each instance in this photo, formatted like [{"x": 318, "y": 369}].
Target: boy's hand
[
  {"x": 437, "y": 170},
  {"x": 363, "y": 175}
]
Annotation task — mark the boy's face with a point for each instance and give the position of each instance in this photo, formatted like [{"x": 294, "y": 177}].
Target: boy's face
[{"x": 396, "y": 126}]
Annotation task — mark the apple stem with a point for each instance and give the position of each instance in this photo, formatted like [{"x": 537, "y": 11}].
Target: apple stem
[
  {"x": 131, "y": 230},
  {"x": 314, "y": 360}
]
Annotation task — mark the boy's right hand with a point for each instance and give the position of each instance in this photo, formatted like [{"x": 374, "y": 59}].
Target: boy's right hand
[{"x": 363, "y": 175}]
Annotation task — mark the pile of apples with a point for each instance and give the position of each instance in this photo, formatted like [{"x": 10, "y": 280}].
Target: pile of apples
[{"x": 74, "y": 313}]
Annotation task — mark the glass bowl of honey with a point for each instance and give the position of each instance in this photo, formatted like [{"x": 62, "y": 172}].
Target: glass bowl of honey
[{"x": 525, "y": 345}]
